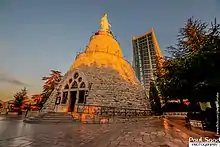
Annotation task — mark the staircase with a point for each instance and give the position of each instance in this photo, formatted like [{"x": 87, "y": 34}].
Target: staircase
[{"x": 51, "y": 117}]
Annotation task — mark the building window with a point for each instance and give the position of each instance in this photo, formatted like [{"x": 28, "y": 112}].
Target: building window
[
  {"x": 66, "y": 87},
  {"x": 76, "y": 75},
  {"x": 74, "y": 85},
  {"x": 80, "y": 79},
  {"x": 70, "y": 81},
  {"x": 81, "y": 96},
  {"x": 65, "y": 97},
  {"x": 83, "y": 85}
]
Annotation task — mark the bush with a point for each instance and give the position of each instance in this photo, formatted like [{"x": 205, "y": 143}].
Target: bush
[
  {"x": 194, "y": 108},
  {"x": 174, "y": 107},
  {"x": 195, "y": 116},
  {"x": 154, "y": 99}
]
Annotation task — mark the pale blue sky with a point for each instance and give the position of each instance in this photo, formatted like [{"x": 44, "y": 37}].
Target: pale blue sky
[{"x": 39, "y": 35}]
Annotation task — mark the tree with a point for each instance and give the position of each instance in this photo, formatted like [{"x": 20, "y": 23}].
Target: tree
[
  {"x": 20, "y": 97},
  {"x": 190, "y": 38},
  {"x": 37, "y": 98},
  {"x": 154, "y": 98},
  {"x": 169, "y": 83},
  {"x": 193, "y": 70},
  {"x": 50, "y": 83}
]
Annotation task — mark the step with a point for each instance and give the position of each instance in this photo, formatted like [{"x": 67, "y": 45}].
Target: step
[
  {"x": 47, "y": 121},
  {"x": 27, "y": 120},
  {"x": 33, "y": 118},
  {"x": 57, "y": 121},
  {"x": 56, "y": 116},
  {"x": 51, "y": 118},
  {"x": 61, "y": 113}
]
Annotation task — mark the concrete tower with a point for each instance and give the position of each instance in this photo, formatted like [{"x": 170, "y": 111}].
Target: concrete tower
[{"x": 145, "y": 53}]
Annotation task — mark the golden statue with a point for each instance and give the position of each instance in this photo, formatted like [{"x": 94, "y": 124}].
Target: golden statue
[{"x": 105, "y": 25}]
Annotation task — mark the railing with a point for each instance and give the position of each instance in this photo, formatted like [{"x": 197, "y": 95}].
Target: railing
[
  {"x": 106, "y": 111},
  {"x": 178, "y": 114},
  {"x": 175, "y": 113}
]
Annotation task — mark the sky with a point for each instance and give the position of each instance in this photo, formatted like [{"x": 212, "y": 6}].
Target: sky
[{"x": 39, "y": 35}]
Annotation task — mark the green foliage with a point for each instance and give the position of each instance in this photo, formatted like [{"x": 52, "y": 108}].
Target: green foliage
[
  {"x": 190, "y": 38},
  {"x": 20, "y": 97},
  {"x": 193, "y": 71},
  {"x": 154, "y": 98}
]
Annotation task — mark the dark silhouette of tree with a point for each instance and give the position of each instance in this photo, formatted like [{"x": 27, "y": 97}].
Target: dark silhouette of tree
[
  {"x": 193, "y": 70},
  {"x": 190, "y": 38},
  {"x": 20, "y": 97}
]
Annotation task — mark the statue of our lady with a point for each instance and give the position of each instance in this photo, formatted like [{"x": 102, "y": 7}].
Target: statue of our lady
[{"x": 105, "y": 25}]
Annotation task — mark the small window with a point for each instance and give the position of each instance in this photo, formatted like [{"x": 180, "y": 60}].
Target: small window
[
  {"x": 74, "y": 85},
  {"x": 81, "y": 97},
  {"x": 80, "y": 79},
  {"x": 70, "y": 81},
  {"x": 65, "y": 97},
  {"x": 82, "y": 85},
  {"x": 76, "y": 75},
  {"x": 66, "y": 87}
]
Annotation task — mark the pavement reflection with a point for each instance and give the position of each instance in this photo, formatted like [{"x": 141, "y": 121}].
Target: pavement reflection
[
  {"x": 12, "y": 127},
  {"x": 152, "y": 132}
]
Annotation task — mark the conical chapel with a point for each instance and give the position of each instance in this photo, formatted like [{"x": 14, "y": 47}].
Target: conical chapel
[{"x": 99, "y": 76}]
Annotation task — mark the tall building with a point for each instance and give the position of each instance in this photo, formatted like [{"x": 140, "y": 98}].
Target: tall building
[{"x": 145, "y": 52}]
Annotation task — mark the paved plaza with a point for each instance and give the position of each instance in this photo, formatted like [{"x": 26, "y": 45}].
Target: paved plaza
[{"x": 153, "y": 132}]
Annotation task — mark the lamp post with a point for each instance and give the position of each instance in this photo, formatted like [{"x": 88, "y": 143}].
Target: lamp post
[{"x": 217, "y": 113}]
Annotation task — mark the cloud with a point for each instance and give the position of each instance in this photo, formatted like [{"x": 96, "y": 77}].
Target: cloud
[{"x": 11, "y": 80}]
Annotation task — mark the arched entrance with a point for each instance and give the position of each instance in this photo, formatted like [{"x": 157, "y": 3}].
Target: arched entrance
[{"x": 74, "y": 91}]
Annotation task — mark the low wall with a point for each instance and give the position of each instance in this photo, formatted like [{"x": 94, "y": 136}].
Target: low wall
[
  {"x": 196, "y": 124},
  {"x": 175, "y": 114},
  {"x": 103, "y": 114}
]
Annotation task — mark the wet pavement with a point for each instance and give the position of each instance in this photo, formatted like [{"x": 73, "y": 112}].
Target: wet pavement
[{"x": 153, "y": 132}]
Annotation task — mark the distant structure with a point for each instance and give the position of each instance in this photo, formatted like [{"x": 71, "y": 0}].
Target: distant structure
[
  {"x": 2, "y": 104},
  {"x": 145, "y": 52},
  {"x": 99, "y": 76}
]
